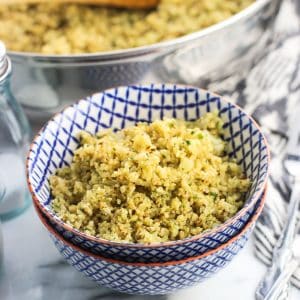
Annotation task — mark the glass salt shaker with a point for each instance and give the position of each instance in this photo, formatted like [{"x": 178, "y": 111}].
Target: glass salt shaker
[
  {"x": 1, "y": 237},
  {"x": 14, "y": 143}
]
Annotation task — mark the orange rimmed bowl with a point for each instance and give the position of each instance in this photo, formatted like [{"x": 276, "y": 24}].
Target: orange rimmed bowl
[
  {"x": 152, "y": 278},
  {"x": 124, "y": 106}
]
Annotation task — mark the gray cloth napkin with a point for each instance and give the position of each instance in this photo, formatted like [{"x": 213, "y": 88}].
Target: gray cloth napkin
[{"x": 270, "y": 90}]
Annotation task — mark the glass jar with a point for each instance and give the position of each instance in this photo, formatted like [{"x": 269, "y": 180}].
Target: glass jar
[
  {"x": 1, "y": 237},
  {"x": 14, "y": 143}
]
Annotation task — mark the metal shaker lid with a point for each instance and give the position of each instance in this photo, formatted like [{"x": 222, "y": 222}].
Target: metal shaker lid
[
  {"x": 2, "y": 53},
  {"x": 4, "y": 65},
  {"x": 2, "y": 49}
]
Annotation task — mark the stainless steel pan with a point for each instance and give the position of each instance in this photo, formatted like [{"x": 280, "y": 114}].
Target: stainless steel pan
[{"x": 45, "y": 84}]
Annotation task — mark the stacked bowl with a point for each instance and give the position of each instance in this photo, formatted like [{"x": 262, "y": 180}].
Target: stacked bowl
[{"x": 148, "y": 268}]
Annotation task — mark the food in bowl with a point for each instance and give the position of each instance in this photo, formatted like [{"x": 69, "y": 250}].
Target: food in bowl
[
  {"x": 73, "y": 28},
  {"x": 163, "y": 181}
]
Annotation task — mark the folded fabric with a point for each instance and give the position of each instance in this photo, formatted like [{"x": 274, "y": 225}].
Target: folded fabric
[{"x": 269, "y": 90}]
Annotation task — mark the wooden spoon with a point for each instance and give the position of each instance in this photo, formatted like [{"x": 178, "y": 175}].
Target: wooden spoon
[{"x": 114, "y": 3}]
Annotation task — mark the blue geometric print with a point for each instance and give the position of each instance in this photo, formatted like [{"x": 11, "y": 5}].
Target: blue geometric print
[
  {"x": 150, "y": 280},
  {"x": 121, "y": 107}
]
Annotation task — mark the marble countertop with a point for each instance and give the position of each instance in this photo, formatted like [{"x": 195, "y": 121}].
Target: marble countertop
[{"x": 33, "y": 270}]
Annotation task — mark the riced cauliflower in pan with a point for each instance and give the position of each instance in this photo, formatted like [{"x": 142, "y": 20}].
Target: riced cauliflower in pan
[{"x": 52, "y": 28}]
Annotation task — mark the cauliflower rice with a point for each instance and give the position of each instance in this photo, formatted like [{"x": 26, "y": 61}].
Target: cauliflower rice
[
  {"x": 156, "y": 182},
  {"x": 51, "y": 28}
]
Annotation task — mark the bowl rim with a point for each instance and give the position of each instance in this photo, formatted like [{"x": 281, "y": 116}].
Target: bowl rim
[
  {"x": 147, "y": 49},
  {"x": 100, "y": 240},
  {"x": 248, "y": 225}
]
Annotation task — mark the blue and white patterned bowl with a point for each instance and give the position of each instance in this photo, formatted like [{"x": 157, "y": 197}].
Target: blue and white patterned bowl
[
  {"x": 120, "y": 107},
  {"x": 152, "y": 278}
]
